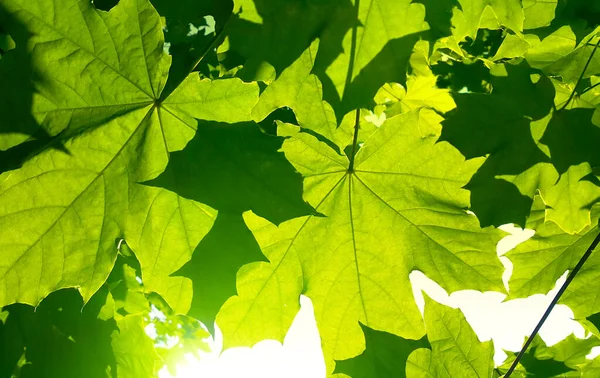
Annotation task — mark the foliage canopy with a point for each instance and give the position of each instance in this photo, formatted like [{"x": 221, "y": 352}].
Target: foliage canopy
[{"x": 217, "y": 159}]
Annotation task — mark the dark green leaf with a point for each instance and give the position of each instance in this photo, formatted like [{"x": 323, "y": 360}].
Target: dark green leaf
[{"x": 385, "y": 356}]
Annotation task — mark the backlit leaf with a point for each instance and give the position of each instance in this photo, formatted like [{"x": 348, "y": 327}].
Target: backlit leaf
[
  {"x": 455, "y": 350},
  {"x": 103, "y": 99},
  {"x": 354, "y": 262}
]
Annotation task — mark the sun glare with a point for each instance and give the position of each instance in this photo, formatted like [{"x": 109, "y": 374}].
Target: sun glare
[{"x": 300, "y": 355}]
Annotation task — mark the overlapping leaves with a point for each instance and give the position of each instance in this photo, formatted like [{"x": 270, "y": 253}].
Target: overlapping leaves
[
  {"x": 391, "y": 214},
  {"x": 102, "y": 102},
  {"x": 104, "y": 137}
]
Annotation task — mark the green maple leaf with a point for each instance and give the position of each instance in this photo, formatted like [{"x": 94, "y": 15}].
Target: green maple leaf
[
  {"x": 541, "y": 260},
  {"x": 400, "y": 208},
  {"x": 559, "y": 54},
  {"x": 554, "y": 47},
  {"x": 251, "y": 175},
  {"x": 100, "y": 77},
  {"x": 569, "y": 201},
  {"x": 385, "y": 356},
  {"x": 421, "y": 92},
  {"x": 507, "y": 13},
  {"x": 455, "y": 349},
  {"x": 563, "y": 359}
]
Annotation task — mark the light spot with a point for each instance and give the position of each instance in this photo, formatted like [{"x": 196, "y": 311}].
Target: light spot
[
  {"x": 375, "y": 119},
  {"x": 209, "y": 28}
]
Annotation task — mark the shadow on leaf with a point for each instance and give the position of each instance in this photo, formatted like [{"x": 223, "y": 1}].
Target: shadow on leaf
[
  {"x": 235, "y": 168},
  {"x": 20, "y": 135},
  {"x": 224, "y": 250},
  {"x": 385, "y": 356},
  {"x": 189, "y": 36},
  {"x": 287, "y": 29},
  {"x": 58, "y": 339},
  {"x": 499, "y": 125}
]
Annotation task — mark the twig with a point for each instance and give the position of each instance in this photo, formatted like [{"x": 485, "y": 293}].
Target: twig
[
  {"x": 581, "y": 76},
  {"x": 210, "y": 46},
  {"x": 555, "y": 300}
]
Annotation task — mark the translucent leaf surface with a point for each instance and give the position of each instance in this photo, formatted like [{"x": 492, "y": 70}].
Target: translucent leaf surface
[
  {"x": 455, "y": 349},
  {"x": 103, "y": 101},
  {"x": 354, "y": 262}
]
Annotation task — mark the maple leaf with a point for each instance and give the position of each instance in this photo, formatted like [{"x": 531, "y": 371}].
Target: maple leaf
[
  {"x": 560, "y": 54},
  {"x": 385, "y": 355},
  {"x": 108, "y": 142},
  {"x": 455, "y": 349},
  {"x": 391, "y": 214},
  {"x": 101, "y": 75},
  {"x": 541, "y": 260}
]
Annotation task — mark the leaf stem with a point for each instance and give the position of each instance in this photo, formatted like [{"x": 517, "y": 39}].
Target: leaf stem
[
  {"x": 349, "y": 78},
  {"x": 354, "y": 141},
  {"x": 555, "y": 300},
  {"x": 587, "y": 64}
]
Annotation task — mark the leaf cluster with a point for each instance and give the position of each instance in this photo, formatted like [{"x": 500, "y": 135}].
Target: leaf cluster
[{"x": 168, "y": 163}]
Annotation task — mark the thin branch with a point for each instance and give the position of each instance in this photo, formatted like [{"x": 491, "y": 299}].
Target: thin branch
[
  {"x": 210, "y": 46},
  {"x": 555, "y": 300},
  {"x": 581, "y": 76}
]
